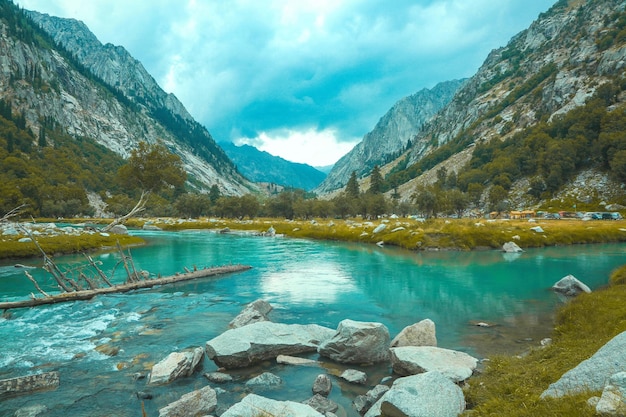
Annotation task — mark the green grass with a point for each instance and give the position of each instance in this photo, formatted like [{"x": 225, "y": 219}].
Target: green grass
[{"x": 511, "y": 386}]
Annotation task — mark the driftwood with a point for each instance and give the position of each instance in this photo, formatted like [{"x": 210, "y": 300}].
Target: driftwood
[
  {"x": 121, "y": 288},
  {"x": 139, "y": 207}
]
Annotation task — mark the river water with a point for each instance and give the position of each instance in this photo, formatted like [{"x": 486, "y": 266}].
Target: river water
[{"x": 305, "y": 281}]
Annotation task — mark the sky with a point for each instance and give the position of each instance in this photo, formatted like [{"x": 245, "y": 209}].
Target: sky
[{"x": 300, "y": 79}]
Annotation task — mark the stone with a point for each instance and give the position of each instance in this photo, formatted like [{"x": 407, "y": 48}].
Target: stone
[
  {"x": 31, "y": 411},
  {"x": 176, "y": 365},
  {"x": 357, "y": 342},
  {"x": 592, "y": 374},
  {"x": 254, "y": 405},
  {"x": 512, "y": 247},
  {"x": 430, "y": 394},
  {"x": 244, "y": 346},
  {"x": 354, "y": 377},
  {"x": 29, "y": 383},
  {"x": 570, "y": 286},
  {"x": 418, "y": 334},
  {"x": 195, "y": 403},
  {"x": 322, "y": 404},
  {"x": 322, "y": 385},
  {"x": 266, "y": 379},
  {"x": 362, "y": 403},
  {"x": 252, "y": 313},
  {"x": 410, "y": 360},
  {"x": 537, "y": 229},
  {"x": 294, "y": 360},
  {"x": 151, "y": 227},
  {"x": 218, "y": 377},
  {"x": 613, "y": 399},
  {"x": 119, "y": 229},
  {"x": 379, "y": 228}
]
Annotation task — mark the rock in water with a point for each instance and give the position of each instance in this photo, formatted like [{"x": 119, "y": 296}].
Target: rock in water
[
  {"x": 252, "y": 313},
  {"x": 357, "y": 342},
  {"x": 254, "y": 406},
  {"x": 418, "y": 334},
  {"x": 196, "y": 403},
  {"x": 241, "y": 347},
  {"x": 176, "y": 365},
  {"x": 322, "y": 385},
  {"x": 430, "y": 394},
  {"x": 410, "y": 360},
  {"x": 511, "y": 247},
  {"x": 570, "y": 286}
]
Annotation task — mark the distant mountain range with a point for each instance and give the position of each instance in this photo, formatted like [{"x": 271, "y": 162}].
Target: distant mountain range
[{"x": 260, "y": 166}]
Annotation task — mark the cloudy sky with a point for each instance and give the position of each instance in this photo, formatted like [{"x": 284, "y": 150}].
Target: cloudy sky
[{"x": 302, "y": 79}]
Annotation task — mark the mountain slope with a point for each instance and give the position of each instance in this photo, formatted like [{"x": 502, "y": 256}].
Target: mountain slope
[
  {"x": 391, "y": 134},
  {"x": 101, "y": 92},
  {"x": 552, "y": 67},
  {"x": 261, "y": 166}
]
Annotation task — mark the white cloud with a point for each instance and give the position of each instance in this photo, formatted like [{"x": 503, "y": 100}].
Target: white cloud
[{"x": 313, "y": 147}]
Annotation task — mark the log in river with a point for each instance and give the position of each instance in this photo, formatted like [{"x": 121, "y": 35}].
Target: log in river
[{"x": 146, "y": 283}]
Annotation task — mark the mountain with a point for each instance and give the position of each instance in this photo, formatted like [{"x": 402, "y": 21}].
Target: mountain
[
  {"x": 391, "y": 135},
  {"x": 101, "y": 92},
  {"x": 524, "y": 100},
  {"x": 260, "y": 166}
]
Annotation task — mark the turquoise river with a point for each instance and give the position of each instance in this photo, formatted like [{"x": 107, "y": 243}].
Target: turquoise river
[{"x": 305, "y": 281}]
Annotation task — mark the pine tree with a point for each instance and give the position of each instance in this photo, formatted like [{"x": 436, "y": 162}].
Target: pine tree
[
  {"x": 352, "y": 187},
  {"x": 42, "y": 137},
  {"x": 376, "y": 181}
]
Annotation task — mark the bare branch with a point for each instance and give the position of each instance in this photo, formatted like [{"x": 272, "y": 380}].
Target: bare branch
[{"x": 139, "y": 207}]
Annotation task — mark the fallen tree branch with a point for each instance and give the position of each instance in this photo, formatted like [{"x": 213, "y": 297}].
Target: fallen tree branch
[
  {"x": 139, "y": 207},
  {"x": 88, "y": 294}
]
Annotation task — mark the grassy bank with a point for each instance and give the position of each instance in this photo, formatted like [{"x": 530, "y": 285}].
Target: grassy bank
[
  {"x": 11, "y": 248},
  {"x": 511, "y": 386},
  {"x": 434, "y": 234}
]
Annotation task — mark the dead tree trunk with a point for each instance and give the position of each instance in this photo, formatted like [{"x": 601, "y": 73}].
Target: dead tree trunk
[{"x": 139, "y": 207}]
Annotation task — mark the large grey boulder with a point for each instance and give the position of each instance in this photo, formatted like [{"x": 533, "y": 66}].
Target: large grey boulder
[
  {"x": 252, "y": 313},
  {"x": 594, "y": 373},
  {"x": 322, "y": 404},
  {"x": 254, "y": 406},
  {"x": 176, "y": 365},
  {"x": 410, "y": 360},
  {"x": 196, "y": 403},
  {"x": 613, "y": 400},
  {"x": 357, "y": 342},
  {"x": 425, "y": 395},
  {"x": 243, "y": 346},
  {"x": 418, "y": 334},
  {"x": 354, "y": 376},
  {"x": 570, "y": 286}
]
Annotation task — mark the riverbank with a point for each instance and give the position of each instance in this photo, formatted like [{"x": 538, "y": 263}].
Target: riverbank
[
  {"x": 415, "y": 234},
  {"x": 512, "y": 385}
]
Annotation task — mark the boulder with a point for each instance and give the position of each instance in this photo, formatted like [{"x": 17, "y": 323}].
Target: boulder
[
  {"x": 196, "y": 403},
  {"x": 322, "y": 404},
  {"x": 176, "y": 365},
  {"x": 254, "y": 405},
  {"x": 570, "y": 286},
  {"x": 379, "y": 228},
  {"x": 362, "y": 403},
  {"x": 252, "y": 313},
  {"x": 592, "y": 374},
  {"x": 354, "y": 377},
  {"x": 410, "y": 360},
  {"x": 511, "y": 247},
  {"x": 537, "y": 229},
  {"x": 322, "y": 385},
  {"x": 613, "y": 400},
  {"x": 357, "y": 342},
  {"x": 425, "y": 395},
  {"x": 31, "y": 411},
  {"x": 418, "y": 334},
  {"x": 266, "y": 379},
  {"x": 119, "y": 229},
  {"x": 241, "y": 347}
]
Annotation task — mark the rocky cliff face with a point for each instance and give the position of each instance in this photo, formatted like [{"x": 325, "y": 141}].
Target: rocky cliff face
[
  {"x": 391, "y": 134},
  {"x": 43, "y": 82},
  {"x": 546, "y": 70}
]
